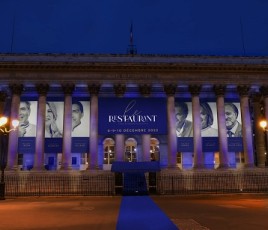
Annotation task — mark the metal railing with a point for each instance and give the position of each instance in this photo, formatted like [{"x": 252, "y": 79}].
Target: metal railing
[
  {"x": 106, "y": 184},
  {"x": 216, "y": 182},
  {"x": 59, "y": 185}
]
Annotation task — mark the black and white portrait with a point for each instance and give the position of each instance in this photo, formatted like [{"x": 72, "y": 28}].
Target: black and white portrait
[
  {"x": 233, "y": 119},
  {"x": 27, "y": 119},
  {"x": 80, "y": 118},
  {"x": 54, "y": 119}
]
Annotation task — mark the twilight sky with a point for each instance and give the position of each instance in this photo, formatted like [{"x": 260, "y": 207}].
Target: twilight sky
[{"x": 180, "y": 27}]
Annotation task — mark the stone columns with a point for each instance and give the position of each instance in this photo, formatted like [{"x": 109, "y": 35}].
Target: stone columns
[
  {"x": 12, "y": 159},
  {"x": 67, "y": 130},
  {"x": 42, "y": 90},
  {"x": 145, "y": 91},
  {"x": 119, "y": 138},
  {"x": 223, "y": 143},
  {"x": 170, "y": 91},
  {"x": 246, "y": 125},
  {"x": 259, "y": 133},
  {"x": 94, "y": 134},
  {"x": 198, "y": 154}
]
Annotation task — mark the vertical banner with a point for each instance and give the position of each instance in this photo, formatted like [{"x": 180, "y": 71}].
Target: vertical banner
[
  {"x": 80, "y": 126},
  {"x": 233, "y": 126},
  {"x": 132, "y": 116},
  {"x": 209, "y": 126},
  {"x": 184, "y": 126},
  {"x": 54, "y": 126},
  {"x": 27, "y": 126}
]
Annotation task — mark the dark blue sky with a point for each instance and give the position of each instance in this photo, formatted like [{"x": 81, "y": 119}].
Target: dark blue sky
[{"x": 190, "y": 27}]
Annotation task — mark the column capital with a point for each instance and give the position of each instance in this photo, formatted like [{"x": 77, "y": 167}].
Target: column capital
[
  {"x": 42, "y": 89},
  {"x": 68, "y": 88},
  {"x": 145, "y": 90},
  {"x": 16, "y": 88},
  {"x": 195, "y": 89},
  {"x": 94, "y": 89},
  {"x": 3, "y": 96},
  {"x": 243, "y": 90},
  {"x": 219, "y": 90},
  {"x": 170, "y": 89},
  {"x": 119, "y": 90},
  {"x": 256, "y": 97},
  {"x": 264, "y": 90}
]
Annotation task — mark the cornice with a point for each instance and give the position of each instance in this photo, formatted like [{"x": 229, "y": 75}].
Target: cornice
[
  {"x": 132, "y": 67},
  {"x": 141, "y": 69},
  {"x": 148, "y": 63}
]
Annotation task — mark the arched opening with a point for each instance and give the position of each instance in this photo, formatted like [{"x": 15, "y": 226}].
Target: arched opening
[
  {"x": 154, "y": 149},
  {"x": 131, "y": 150},
  {"x": 108, "y": 153}
]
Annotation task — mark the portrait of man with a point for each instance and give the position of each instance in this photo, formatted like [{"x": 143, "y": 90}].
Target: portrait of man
[
  {"x": 233, "y": 126},
  {"x": 207, "y": 120},
  {"x": 25, "y": 128},
  {"x": 184, "y": 127},
  {"x": 80, "y": 127}
]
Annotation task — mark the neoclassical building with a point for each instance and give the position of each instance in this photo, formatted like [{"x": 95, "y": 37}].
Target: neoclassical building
[{"x": 82, "y": 111}]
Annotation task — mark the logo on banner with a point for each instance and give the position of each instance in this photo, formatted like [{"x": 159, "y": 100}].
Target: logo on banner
[{"x": 133, "y": 116}]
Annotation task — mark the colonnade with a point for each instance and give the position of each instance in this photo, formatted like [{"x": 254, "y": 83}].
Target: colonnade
[{"x": 145, "y": 90}]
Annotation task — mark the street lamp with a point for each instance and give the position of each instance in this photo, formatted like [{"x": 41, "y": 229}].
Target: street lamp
[
  {"x": 263, "y": 124},
  {"x": 4, "y": 132}
]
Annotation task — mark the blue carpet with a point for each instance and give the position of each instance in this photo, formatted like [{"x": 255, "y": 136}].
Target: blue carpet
[{"x": 141, "y": 213}]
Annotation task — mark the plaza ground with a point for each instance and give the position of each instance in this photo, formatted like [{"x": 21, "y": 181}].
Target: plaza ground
[{"x": 213, "y": 212}]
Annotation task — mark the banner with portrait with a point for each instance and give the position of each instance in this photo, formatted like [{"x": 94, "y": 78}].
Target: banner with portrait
[
  {"x": 184, "y": 125},
  {"x": 209, "y": 126},
  {"x": 80, "y": 126},
  {"x": 54, "y": 126},
  {"x": 132, "y": 116},
  {"x": 233, "y": 126},
  {"x": 27, "y": 117}
]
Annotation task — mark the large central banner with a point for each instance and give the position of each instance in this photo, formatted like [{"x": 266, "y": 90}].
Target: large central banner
[{"x": 132, "y": 116}]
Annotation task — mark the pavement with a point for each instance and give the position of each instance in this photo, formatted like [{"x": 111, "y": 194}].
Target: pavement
[{"x": 195, "y": 212}]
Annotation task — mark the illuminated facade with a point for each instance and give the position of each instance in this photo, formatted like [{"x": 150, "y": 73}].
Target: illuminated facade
[{"x": 85, "y": 111}]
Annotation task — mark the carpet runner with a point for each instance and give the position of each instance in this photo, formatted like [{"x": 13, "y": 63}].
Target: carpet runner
[{"x": 141, "y": 213}]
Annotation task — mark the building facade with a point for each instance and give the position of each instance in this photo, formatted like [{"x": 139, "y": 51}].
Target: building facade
[{"x": 83, "y": 112}]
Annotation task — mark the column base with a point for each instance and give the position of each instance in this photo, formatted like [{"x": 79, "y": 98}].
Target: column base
[
  {"x": 37, "y": 169},
  {"x": 66, "y": 167},
  {"x": 261, "y": 165},
  {"x": 199, "y": 167},
  {"x": 93, "y": 167},
  {"x": 223, "y": 166},
  {"x": 14, "y": 168},
  {"x": 173, "y": 167},
  {"x": 249, "y": 166}
]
